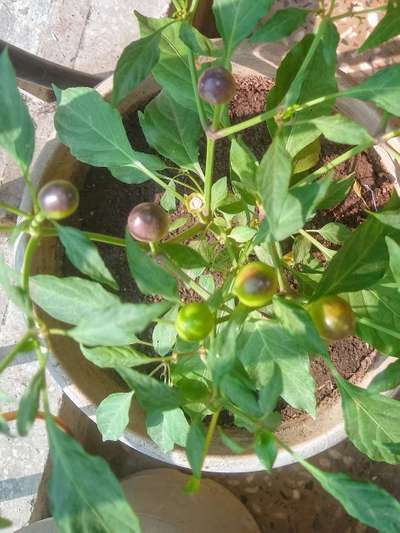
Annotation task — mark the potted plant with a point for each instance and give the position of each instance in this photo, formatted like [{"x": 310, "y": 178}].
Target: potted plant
[{"x": 239, "y": 293}]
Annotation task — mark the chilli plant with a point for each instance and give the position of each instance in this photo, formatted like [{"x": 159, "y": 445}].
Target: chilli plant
[{"x": 261, "y": 303}]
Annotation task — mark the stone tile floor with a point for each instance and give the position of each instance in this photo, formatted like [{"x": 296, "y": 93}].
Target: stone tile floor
[{"x": 89, "y": 35}]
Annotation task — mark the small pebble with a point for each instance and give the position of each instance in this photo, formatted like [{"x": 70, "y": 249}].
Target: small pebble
[
  {"x": 296, "y": 494},
  {"x": 256, "y": 508},
  {"x": 252, "y": 490}
]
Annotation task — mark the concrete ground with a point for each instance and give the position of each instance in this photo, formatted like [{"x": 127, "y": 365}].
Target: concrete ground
[{"x": 89, "y": 35}]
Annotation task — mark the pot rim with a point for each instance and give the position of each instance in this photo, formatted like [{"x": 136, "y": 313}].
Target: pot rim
[{"x": 215, "y": 462}]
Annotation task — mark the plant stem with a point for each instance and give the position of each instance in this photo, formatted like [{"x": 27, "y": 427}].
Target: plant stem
[
  {"x": 7, "y": 229},
  {"x": 259, "y": 119},
  {"x": 274, "y": 250},
  {"x": 199, "y": 103},
  {"x": 378, "y": 327},
  {"x": 187, "y": 234},
  {"x": 352, "y": 13},
  {"x": 158, "y": 180},
  {"x": 169, "y": 265},
  {"x": 97, "y": 237},
  {"x": 14, "y": 210},
  {"x": 210, "y": 159},
  {"x": 326, "y": 251},
  {"x": 26, "y": 266},
  {"x": 210, "y": 433},
  {"x": 32, "y": 191},
  {"x": 335, "y": 162},
  {"x": 8, "y": 359}
]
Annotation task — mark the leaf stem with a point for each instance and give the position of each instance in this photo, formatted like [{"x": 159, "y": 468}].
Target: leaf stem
[
  {"x": 187, "y": 234},
  {"x": 7, "y": 229},
  {"x": 259, "y": 119},
  {"x": 353, "y": 13},
  {"x": 97, "y": 237},
  {"x": 26, "y": 266},
  {"x": 274, "y": 250},
  {"x": 40, "y": 415},
  {"x": 199, "y": 103},
  {"x": 14, "y": 210},
  {"x": 210, "y": 433},
  {"x": 210, "y": 160},
  {"x": 9, "y": 358},
  {"x": 326, "y": 251}
]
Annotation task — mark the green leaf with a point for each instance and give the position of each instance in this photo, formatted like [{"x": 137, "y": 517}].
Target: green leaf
[
  {"x": 297, "y": 323},
  {"x": 386, "y": 380},
  {"x": 387, "y": 28},
  {"x": 167, "y": 429},
  {"x": 69, "y": 299},
  {"x": 282, "y": 24},
  {"x": 382, "y": 88},
  {"x": 371, "y": 420},
  {"x": 112, "y": 415},
  {"x": 236, "y": 19},
  {"x": 93, "y": 131},
  {"x": 115, "y": 356},
  {"x": 198, "y": 43},
  {"x": 335, "y": 232},
  {"x": 273, "y": 178},
  {"x": 243, "y": 163},
  {"x": 150, "y": 277},
  {"x": 359, "y": 264},
  {"x": 116, "y": 325},
  {"x": 336, "y": 192},
  {"x": 84, "y": 494},
  {"x": 29, "y": 404},
  {"x": 300, "y": 206},
  {"x": 164, "y": 335},
  {"x": 173, "y": 130},
  {"x": 195, "y": 445},
  {"x": 362, "y": 500},
  {"x": 9, "y": 282},
  {"x": 4, "y": 428},
  {"x": 307, "y": 88},
  {"x": 271, "y": 390},
  {"x": 301, "y": 249},
  {"x": 153, "y": 394},
  {"x": 172, "y": 70},
  {"x": 379, "y": 305},
  {"x": 308, "y": 157},
  {"x": 134, "y": 65},
  {"x": 340, "y": 129},
  {"x": 229, "y": 442},
  {"x": 168, "y": 199},
  {"x": 184, "y": 256},
  {"x": 389, "y": 217},
  {"x": 219, "y": 192},
  {"x": 263, "y": 343},
  {"x": 266, "y": 449},
  {"x": 242, "y": 234},
  {"x": 238, "y": 392},
  {"x": 84, "y": 255},
  {"x": 394, "y": 258},
  {"x": 4, "y": 523},
  {"x": 17, "y": 134}
]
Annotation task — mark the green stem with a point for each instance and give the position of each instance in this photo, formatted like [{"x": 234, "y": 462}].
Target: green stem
[
  {"x": 199, "y": 103},
  {"x": 97, "y": 237},
  {"x": 378, "y": 327},
  {"x": 187, "y": 234},
  {"x": 7, "y": 229},
  {"x": 294, "y": 89},
  {"x": 275, "y": 251},
  {"x": 8, "y": 359},
  {"x": 26, "y": 266},
  {"x": 326, "y": 251},
  {"x": 177, "y": 272},
  {"x": 210, "y": 433},
  {"x": 193, "y": 9},
  {"x": 14, "y": 210},
  {"x": 352, "y": 13},
  {"x": 335, "y": 162},
  {"x": 210, "y": 160},
  {"x": 158, "y": 180},
  {"x": 29, "y": 184},
  {"x": 259, "y": 119}
]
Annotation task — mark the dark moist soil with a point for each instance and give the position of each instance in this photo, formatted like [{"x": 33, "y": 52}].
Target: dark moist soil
[{"x": 106, "y": 203}]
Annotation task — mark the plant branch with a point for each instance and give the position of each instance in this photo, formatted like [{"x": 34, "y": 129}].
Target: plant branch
[
  {"x": 97, "y": 237},
  {"x": 9, "y": 358},
  {"x": 326, "y": 251},
  {"x": 14, "y": 210},
  {"x": 210, "y": 159},
  {"x": 199, "y": 103},
  {"x": 187, "y": 234},
  {"x": 26, "y": 266},
  {"x": 354, "y": 13}
]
